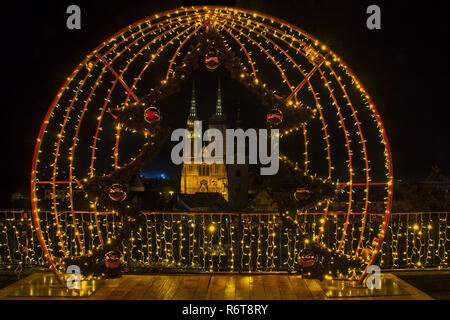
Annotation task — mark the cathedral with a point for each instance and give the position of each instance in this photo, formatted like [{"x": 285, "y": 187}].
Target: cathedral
[
  {"x": 229, "y": 181},
  {"x": 204, "y": 177}
]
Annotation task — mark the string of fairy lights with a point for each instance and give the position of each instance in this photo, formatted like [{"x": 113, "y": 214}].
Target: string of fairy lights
[
  {"x": 304, "y": 127},
  {"x": 115, "y": 73},
  {"x": 364, "y": 151},
  {"x": 414, "y": 240}
]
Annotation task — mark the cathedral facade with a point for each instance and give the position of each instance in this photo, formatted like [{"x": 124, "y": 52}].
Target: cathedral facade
[{"x": 205, "y": 177}]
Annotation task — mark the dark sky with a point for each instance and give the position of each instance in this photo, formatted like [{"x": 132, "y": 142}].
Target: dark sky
[{"x": 404, "y": 66}]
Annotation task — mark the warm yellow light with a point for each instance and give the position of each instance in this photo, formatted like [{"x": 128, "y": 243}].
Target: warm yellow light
[{"x": 212, "y": 228}]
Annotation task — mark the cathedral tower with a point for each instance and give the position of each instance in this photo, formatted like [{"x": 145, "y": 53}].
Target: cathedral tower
[{"x": 204, "y": 177}]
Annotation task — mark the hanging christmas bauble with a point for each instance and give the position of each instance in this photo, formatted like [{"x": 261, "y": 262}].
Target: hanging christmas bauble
[
  {"x": 307, "y": 258},
  {"x": 112, "y": 260},
  {"x": 212, "y": 60},
  {"x": 302, "y": 194},
  {"x": 152, "y": 115},
  {"x": 375, "y": 242},
  {"x": 366, "y": 253},
  {"x": 117, "y": 192},
  {"x": 274, "y": 117}
]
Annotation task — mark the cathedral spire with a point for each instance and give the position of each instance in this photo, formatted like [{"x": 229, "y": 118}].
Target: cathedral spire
[
  {"x": 219, "y": 101},
  {"x": 193, "y": 108}
]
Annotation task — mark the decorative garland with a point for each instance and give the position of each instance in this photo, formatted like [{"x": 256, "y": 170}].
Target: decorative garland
[
  {"x": 132, "y": 116},
  {"x": 99, "y": 189},
  {"x": 329, "y": 263},
  {"x": 143, "y": 116}
]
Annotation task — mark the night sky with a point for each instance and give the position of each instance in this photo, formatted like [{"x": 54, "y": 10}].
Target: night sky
[{"x": 404, "y": 66}]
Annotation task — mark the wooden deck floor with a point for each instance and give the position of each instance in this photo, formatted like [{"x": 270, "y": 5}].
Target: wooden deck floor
[{"x": 203, "y": 287}]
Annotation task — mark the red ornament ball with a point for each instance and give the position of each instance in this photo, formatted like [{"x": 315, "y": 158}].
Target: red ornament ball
[
  {"x": 302, "y": 194},
  {"x": 152, "y": 115},
  {"x": 117, "y": 192},
  {"x": 375, "y": 242},
  {"x": 307, "y": 258},
  {"x": 112, "y": 260},
  {"x": 366, "y": 253},
  {"x": 274, "y": 117},
  {"x": 212, "y": 60}
]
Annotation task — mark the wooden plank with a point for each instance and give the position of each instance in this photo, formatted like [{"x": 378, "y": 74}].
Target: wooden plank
[
  {"x": 173, "y": 284},
  {"x": 205, "y": 286},
  {"x": 157, "y": 290},
  {"x": 242, "y": 287},
  {"x": 286, "y": 290},
  {"x": 415, "y": 293},
  {"x": 299, "y": 287},
  {"x": 124, "y": 288},
  {"x": 187, "y": 289},
  {"x": 315, "y": 288},
  {"x": 4, "y": 292},
  {"x": 109, "y": 286},
  {"x": 216, "y": 290},
  {"x": 230, "y": 288},
  {"x": 140, "y": 289},
  {"x": 271, "y": 288},
  {"x": 257, "y": 288},
  {"x": 168, "y": 287},
  {"x": 202, "y": 288}
]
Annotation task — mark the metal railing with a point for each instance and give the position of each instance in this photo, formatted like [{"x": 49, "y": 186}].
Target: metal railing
[{"x": 241, "y": 242}]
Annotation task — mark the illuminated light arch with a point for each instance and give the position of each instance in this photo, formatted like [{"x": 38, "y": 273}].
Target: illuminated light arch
[{"x": 285, "y": 46}]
